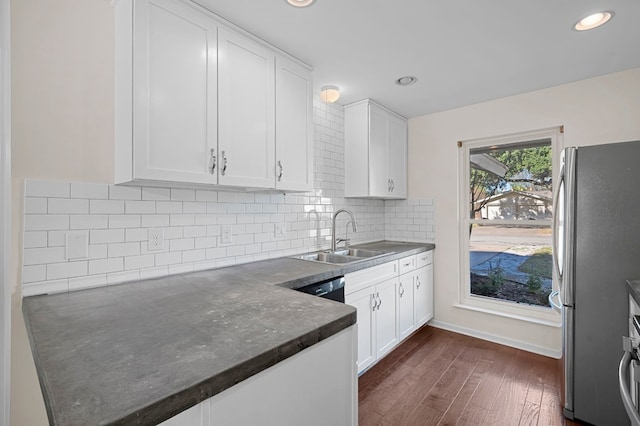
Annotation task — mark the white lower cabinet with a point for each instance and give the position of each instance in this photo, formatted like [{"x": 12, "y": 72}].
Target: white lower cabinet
[
  {"x": 393, "y": 300},
  {"x": 294, "y": 391},
  {"x": 424, "y": 295},
  {"x": 406, "y": 320},
  {"x": 377, "y": 320}
]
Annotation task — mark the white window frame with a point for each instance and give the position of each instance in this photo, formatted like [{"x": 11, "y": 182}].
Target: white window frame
[{"x": 529, "y": 313}]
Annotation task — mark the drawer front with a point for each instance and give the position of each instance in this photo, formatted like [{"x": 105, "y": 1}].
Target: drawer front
[
  {"x": 425, "y": 258},
  {"x": 407, "y": 264},
  {"x": 366, "y": 277}
]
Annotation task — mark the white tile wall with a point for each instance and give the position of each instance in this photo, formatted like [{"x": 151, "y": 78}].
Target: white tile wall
[{"x": 118, "y": 219}]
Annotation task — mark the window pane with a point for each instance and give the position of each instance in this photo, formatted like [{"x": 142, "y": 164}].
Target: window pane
[
  {"x": 512, "y": 263},
  {"x": 511, "y": 182}
]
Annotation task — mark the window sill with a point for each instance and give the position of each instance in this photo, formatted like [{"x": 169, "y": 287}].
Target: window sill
[{"x": 530, "y": 315}]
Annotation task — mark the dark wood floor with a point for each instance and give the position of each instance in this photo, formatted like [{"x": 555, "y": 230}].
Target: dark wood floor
[{"x": 437, "y": 377}]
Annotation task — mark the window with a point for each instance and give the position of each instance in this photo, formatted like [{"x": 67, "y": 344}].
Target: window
[{"x": 506, "y": 216}]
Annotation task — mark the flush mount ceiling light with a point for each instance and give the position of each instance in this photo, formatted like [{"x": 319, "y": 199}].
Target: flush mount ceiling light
[
  {"x": 593, "y": 21},
  {"x": 300, "y": 3},
  {"x": 329, "y": 94},
  {"x": 407, "y": 80}
]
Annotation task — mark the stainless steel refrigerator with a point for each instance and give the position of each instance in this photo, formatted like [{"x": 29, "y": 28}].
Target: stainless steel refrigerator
[{"x": 597, "y": 250}]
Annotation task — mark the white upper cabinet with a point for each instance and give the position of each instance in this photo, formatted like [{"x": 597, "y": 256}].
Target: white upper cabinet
[
  {"x": 170, "y": 68},
  {"x": 246, "y": 84},
  {"x": 199, "y": 102},
  {"x": 294, "y": 126},
  {"x": 375, "y": 151}
]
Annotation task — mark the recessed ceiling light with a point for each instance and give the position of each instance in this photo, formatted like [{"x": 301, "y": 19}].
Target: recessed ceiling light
[
  {"x": 407, "y": 80},
  {"x": 300, "y": 3},
  {"x": 593, "y": 21}
]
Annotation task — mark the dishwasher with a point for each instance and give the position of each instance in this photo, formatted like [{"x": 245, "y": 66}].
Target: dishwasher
[{"x": 332, "y": 289}]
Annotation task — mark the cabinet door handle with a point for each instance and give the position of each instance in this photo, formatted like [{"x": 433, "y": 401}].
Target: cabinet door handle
[
  {"x": 212, "y": 161},
  {"x": 418, "y": 283},
  {"x": 379, "y": 300},
  {"x": 281, "y": 170},
  {"x": 375, "y": 302},
  {"x": 388, "y": 185},
  {"x": 393, "y": 185},
  {"x": 224, "y": 163},
  {"x": 401, "y": 289}
]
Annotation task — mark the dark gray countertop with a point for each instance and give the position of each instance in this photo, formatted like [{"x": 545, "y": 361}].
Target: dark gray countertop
[
  {"x": 634, "y": 289},
  {"x": 141, "y": 352}
]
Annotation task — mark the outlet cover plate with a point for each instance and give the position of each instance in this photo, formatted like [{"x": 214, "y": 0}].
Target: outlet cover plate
[{"x": 156, "y": 239}]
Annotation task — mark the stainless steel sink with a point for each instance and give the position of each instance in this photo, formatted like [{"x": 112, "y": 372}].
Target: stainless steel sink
[
  {"x": 356, "y": 252},
  {"x": 328, "y": 258},
  {"x": 341, "y": 257}
]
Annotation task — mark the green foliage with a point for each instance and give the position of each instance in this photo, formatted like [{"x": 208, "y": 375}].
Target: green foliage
[
  {"x": 496, "y": 275},
  {"x": 527, "y": 168},
  {"x": 539, "y": 263},
  {"x": 534, "y": 282}
]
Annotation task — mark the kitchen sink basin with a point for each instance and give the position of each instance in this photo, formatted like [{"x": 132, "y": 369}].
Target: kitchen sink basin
[
  {"x": 328, "y": 258},
  {"x": 341, "y": 257},
  {"x": 355, "y": 252}
]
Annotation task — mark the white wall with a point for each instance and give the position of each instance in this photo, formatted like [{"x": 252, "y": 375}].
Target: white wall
[
  {"x": 5, "y": 211},
  {"x": 594, "y": 111}
]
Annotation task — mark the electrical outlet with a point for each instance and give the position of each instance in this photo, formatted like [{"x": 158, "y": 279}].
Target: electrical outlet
[
  {"x": 281, "y": 230},
  {"x": 156, "y": 239},
  {"x": 227, "y": 235}
]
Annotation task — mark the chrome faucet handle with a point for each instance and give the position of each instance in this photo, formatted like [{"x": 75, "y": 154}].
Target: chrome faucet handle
[{"x": 343, "y": 240}]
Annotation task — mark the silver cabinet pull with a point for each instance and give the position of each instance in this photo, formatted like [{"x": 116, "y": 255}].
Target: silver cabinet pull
[
  {"x": 393, "y": 185},
  {"x": 379, "y": 300},
  {"x": 375, "y": 302},
  {"x": 212, "y": 161},
  {"x": 418, "y": 283},
  {"x": 388, "y": 185},
  {"x": 401, "y": 289},
  {"x": 224, "y": 163},
  {"x": 281, "y": 170}
]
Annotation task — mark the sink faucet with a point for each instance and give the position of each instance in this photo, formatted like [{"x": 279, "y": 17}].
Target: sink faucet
[{"x": 333, "y": 226}]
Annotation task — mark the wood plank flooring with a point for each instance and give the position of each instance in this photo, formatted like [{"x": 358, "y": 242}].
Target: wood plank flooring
[{"x": 437, "y": 377}]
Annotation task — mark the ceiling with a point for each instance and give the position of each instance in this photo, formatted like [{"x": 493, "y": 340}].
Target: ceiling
[{"x": 462, "y": 51}]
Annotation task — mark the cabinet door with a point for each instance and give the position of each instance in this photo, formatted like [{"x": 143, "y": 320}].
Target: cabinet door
[
  {"x": 174, "y": 92},
  {"x": 406, "y": 319},
  {"x": 198, "y": 415},
  {"x": 246, "y": 86},
  {"x": 386, "y": 316},
  {"x": 294, "y": 133},
  {"x": 363, "y": 301},
  {"x": 379, "y": 185},
  {"x": 424, "y": 295},
  {"x": 397, "y": 154}
]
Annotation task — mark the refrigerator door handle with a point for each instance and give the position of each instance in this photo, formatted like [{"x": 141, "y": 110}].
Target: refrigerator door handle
[
  {"x": 568, "y": 284},
  {"x": 556, "y": 220},
  {"x": 556, "y": 306},
  {"x": 624, "y": 377}
]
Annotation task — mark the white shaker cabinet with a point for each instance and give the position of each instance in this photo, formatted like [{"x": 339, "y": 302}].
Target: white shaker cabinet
[
  {"x": 294, "y": 126},
  {"x": 406, "y": 318},
  {"x": 375, "y": 151},
  {"x": 199, "y": 101},
  {"x": 166, "y": 92},
  {"x": 246, "y": 102},
  {"x": 424, "y": 288},
  {"x": 373, "y": 292}
]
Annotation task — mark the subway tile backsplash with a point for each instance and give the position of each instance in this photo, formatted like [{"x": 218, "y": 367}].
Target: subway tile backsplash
[{"x": 117, "y": 220}]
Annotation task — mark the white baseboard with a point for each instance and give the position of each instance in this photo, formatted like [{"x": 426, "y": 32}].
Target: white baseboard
[{"x": 540, "y": 350}]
